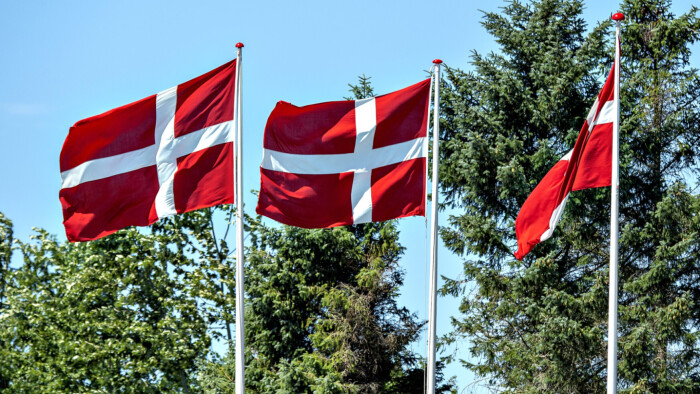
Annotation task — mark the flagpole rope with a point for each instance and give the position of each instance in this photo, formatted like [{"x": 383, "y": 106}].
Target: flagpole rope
[
  {"x": 426, "y": 247},
  {"x": 432, "y": 323},
  {"x": 240, "y": 339}
]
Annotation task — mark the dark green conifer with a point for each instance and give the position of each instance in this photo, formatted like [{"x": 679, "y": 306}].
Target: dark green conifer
[{"x": 540, "y": 325}]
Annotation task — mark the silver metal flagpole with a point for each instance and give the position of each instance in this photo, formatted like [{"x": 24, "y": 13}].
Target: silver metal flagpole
[
  {"x": 238, "y": 182},
  {"x": 433, "y": 235},
  {"x": 614, "y": 193}
]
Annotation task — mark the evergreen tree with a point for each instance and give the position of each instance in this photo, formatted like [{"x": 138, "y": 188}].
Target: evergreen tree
[
  {"x": 321, "y": 312},
  {"x": 660, "y": 248},
  {"x": 539, "y": 325}
]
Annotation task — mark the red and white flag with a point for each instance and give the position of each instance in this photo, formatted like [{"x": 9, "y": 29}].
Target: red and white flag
[
  {"x": 168, "y": 153},
  {"x": 586, "y": 166},
  {"x": 346, "y": 162}
]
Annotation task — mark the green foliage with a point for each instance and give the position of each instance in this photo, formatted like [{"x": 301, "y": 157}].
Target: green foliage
[
  {"x": 659, "y": 349},
  {"x": 105, "y": 315},
  {"x": 540, "y": 324},
  {"x": 6, "y": 248},
  {"x": 212, "y": 273},
  {"x": 362, "y": 90},
  {"x": 322, "y": 314},
  {"x": 126, "y": 313}
]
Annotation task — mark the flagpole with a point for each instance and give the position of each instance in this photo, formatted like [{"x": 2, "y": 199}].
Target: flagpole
[
  {"x": 433, "y": 235},
  {"x": 238, "y": 182},
  {"x": 614, "y": 194}
]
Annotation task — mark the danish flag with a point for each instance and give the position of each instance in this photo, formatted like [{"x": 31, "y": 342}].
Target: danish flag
[
  {"x": 588, "y": 165},
  {"x": 165, "y": 154},
  {"x": 346, "y": 162}
]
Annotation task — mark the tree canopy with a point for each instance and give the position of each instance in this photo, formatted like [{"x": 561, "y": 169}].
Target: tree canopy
[{"x": 539, "y": 325}]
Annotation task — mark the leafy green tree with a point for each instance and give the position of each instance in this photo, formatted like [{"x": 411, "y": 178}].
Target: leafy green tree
[
  {"x": 6, "y": 248},
  {"x": 539, "y": 325},
  {"x": 210, "y": 278},
  {"x": 114, "y": 315}
]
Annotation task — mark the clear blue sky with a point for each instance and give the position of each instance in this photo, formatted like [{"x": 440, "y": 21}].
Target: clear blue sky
[{"x": 64, "y": 61}]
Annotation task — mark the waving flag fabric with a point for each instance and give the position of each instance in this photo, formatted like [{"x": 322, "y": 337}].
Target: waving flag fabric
[
  {"x": 346, "y": 162},
  {"x": 588, "y": 165},
  {"x": 165, "y": 154}
]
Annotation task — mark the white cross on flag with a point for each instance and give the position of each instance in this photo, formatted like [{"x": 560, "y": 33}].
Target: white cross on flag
[
  {"x": 168, "y": 153},
  {"x": 346, "y": 162}
]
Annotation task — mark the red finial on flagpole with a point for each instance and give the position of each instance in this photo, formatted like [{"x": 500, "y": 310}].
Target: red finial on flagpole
[
  {"x": 240, "y": 44},
  {"x": 618, "y": 16},
  {"x": 437, "y": 61}
]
